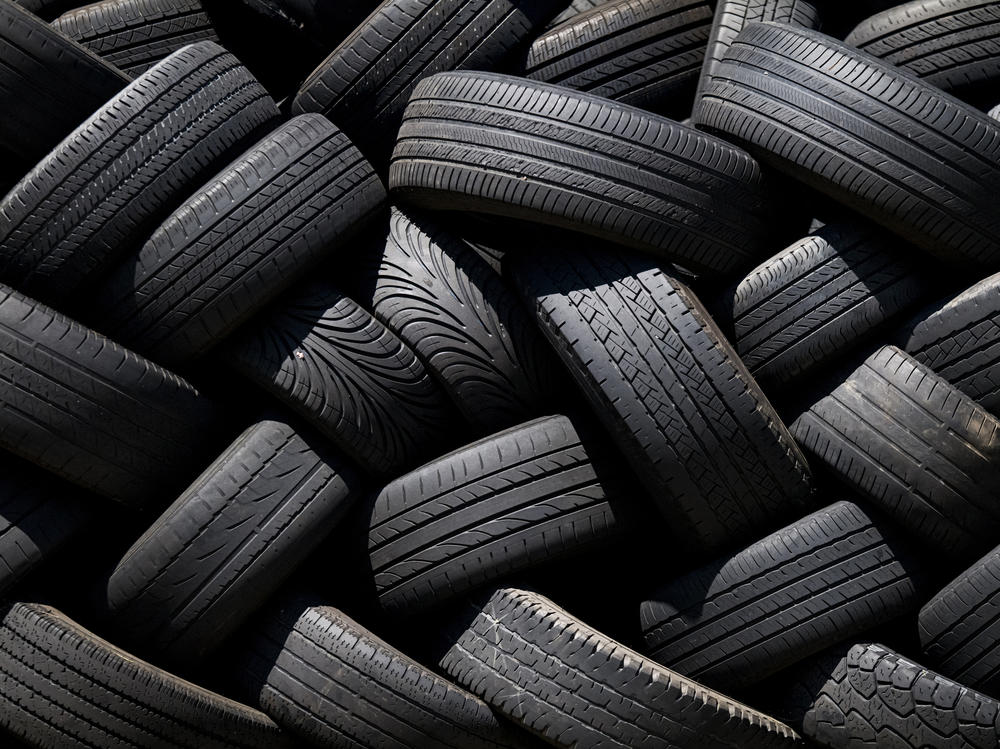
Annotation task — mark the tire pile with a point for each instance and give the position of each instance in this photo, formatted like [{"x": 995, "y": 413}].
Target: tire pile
[{"x": 410, "y": 375}]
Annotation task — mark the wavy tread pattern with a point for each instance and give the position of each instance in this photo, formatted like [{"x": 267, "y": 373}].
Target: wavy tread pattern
[
  {"x": 503, "y": 504},
  {"x": 647, "y": 53},
  {"x": 240, "y": 241},
  {"x": 329, "y": 680},
  {"x": 228, "y": 542},
  {"x": 876, "y": 138},
  {"x": 868, "y": 696},
  {"x": 917, "y": 447},
  {"x": 819, "y": 581},
  {"x": 553, "y": 675},
  {"x": 343, "y": 371},
  {"x": 819, "y": 298},
  {"x": 530, "y": 150},
  {"x": 671, "y": 391},
  {"x": 134, "y": 35},
  {"x": 61, "y": 685},
  {"x": 105, "y": 187},
  {"x": 92, "y": 412}
]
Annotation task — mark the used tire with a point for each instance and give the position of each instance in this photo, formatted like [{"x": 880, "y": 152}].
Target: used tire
[
  {"x": 134, "y": 35},
  {"x": 824, "y": 295},
  {"x": 239, "y": 241},
  {"x": 567, "y": 683},
  {"x": 92, "y": 412},
  {"x": 338, "y": 367},
  {"x": 682, "y": 408},
  {"x": 824, "y": 579},
  {"x": 330, "y": 681},
  {"x": 529, "y": 150},
  {"x": 575, "y": 8},
  {"x": 647, "y": 53},
  {"x": 67, "y": 222},
  {"x": 913, "y": 444},
  {"x": 48, "y": 9},
  {"x": 876, "y": 138},
  {"x": 61, "y": 685}
]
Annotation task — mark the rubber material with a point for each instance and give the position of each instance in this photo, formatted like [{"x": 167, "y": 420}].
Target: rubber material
[{"x": 575, "y": 8}]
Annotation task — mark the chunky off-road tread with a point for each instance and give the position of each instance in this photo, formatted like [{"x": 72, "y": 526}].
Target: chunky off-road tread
[
  {"x": 575, "y": 8},
  {"x": 960, "y": 626},
  {"x": 885, "y": 143},
  {"x": 817, "y": 582},
  {"x": 506, "y": 503},
  {"x": 562, "y": 680},
  {"x": 48, "y": 86},
  {"x": 960, "y": 340},
  {"x": 671, "y": 391},
  {"x": 732, "y": 16},
  {"x": 327, "y": 679},
  {"x": 229, "y": 541},
  {"x": 917, "y": 447},
  {"x": 347, "y": 374},
  {"x": 530, "y": 150},
  {"x": 88, "y": 410},
  {"x": 62, "y": 686},
  {"x": 821, "y": 297},
  {"x": 643, "y": 52},
  {"x": 134, "y": 35},
  {"x": 364, "y": 84},
  {"x": 868, "y": 696},
  {"x": 954, "y": 44},
  {"x": 445, "y": 302},
  {"x": 102, "y": 191},
  {"x": 240, "y": 241}
]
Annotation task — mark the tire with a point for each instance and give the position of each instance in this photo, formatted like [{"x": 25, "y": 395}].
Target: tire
[
  {"x": 501, "y": 505},
  {"x": 228, "y": 542},
  {"x": 48, "y": 86},
  {"x": 66, "y": 223},
  {"x": 821, "y": 580},
  {"x": 47, "y": 9},
  {"x": 364, "y": 84},
  {"x": 323, "y": 23},
  {"x": 575, "y": 8},
  {"x": 732, "y": 16},
  {"x": 329, "y": 681},
  {"x": 821, "y": 297},
  {"x": 918, "y": 448},
  {"x": 567, "y": 683},
  {"x": 959, "y": 627},
  {"x": 327, "y": 359},
  {"x": 240, "y": 241},
  {"x": 952, "y": 44},
  {"x": 468, "y": 328},
  {"x": 859, "y": 131},
  {"x": 867, "y": 695},
  {"x": 92, "y": 412},
  {"x": 647, "y": 53},
  {"x": 995, "y": 113},
  {"x": 528, "y": 150},
  {"x": 134, "y": 35},
  {"x": 61, "y": 685},
  {"x": 960, "y": 341},
  {"x": 680, "y": 405}
]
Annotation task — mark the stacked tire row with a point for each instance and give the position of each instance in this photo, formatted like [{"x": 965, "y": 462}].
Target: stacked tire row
[{"x": 485, "y": 373}]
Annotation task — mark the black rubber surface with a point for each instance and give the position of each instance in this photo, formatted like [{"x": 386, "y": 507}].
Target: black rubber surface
[{"x": 573, "y": 10}]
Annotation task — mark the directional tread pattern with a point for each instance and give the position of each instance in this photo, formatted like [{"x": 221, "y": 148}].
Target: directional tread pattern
[
  {"x": 530, "y": 150},
  {"x": 817, "y": 582},
  {"x": 240, "y": 241},
  {"x": 563, "y": 681},
  {"x": 913, "y": 444}
]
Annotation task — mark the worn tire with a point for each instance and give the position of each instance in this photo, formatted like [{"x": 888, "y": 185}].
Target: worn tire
[
  {"x": 821, "y": 580},
  {"x": 529, "y": 150},
  {"x": 66, "y": 223},
  {"x": 917, "y": 447},
  {"x": 675, "y": 397},
  {"x": 61, "y": 685},
  {"x": 240, "y": 241},
  {"x": 647, "y": 53},
  {"x": 876, "y": 138},
  {"x": 556, "y": 677}
]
